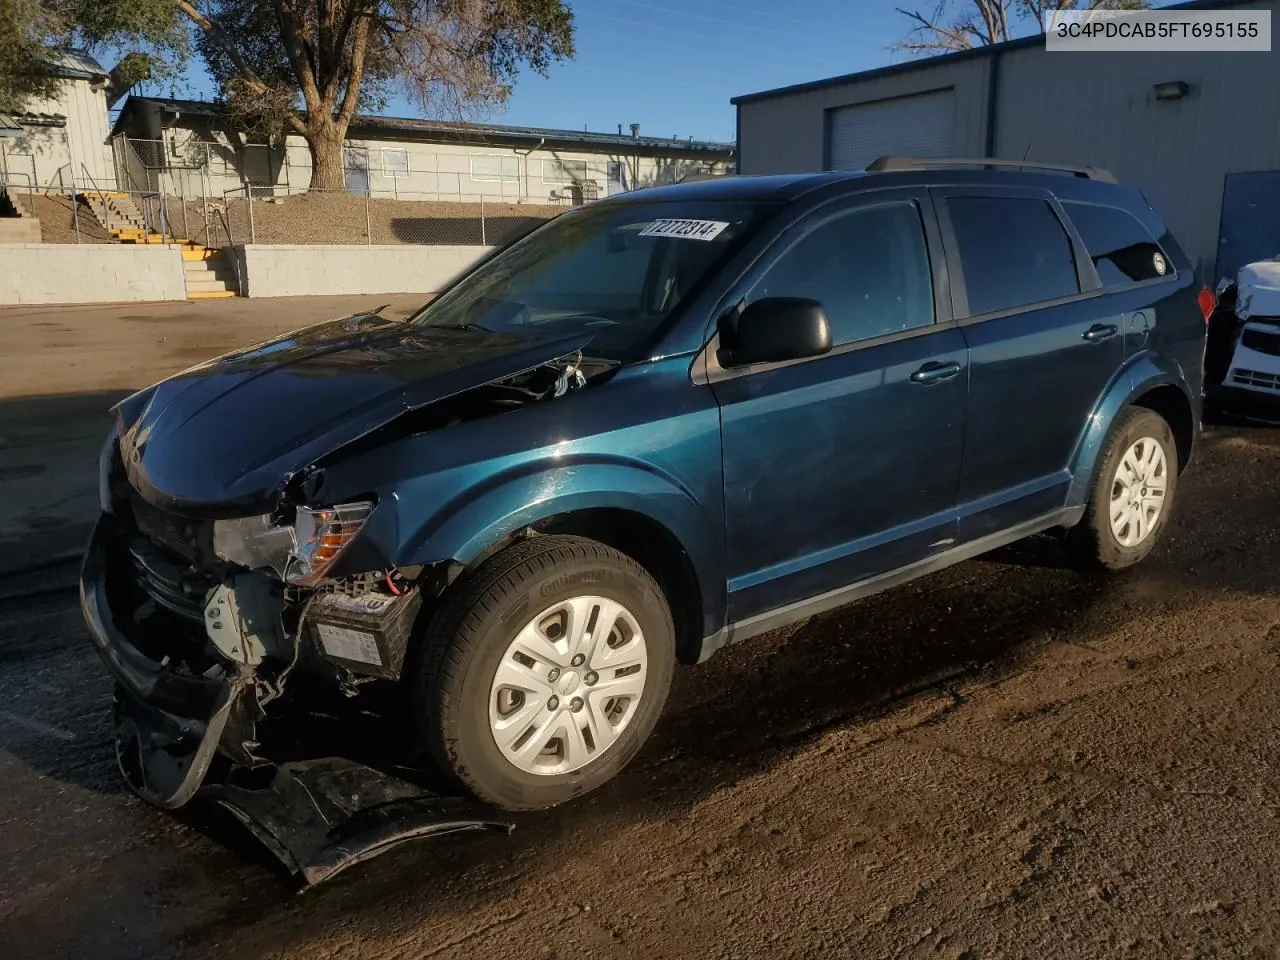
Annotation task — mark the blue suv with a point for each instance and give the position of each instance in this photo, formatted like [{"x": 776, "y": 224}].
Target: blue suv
[{"x": 658, "y": 424}]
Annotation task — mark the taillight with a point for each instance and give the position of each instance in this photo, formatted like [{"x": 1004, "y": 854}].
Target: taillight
[{"x": 1208, "y": 302}]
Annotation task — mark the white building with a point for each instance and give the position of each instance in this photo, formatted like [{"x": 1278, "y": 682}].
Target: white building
[
  {"x": 51, "y": 140},
  {"x": 187, "y": 148}
]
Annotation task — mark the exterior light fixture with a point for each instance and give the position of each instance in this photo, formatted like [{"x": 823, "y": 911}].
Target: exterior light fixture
[{"x": 1171, "y": 90}]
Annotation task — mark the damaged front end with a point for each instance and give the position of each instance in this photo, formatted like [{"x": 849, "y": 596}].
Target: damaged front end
[
  {"x": 230, "y": 639},
  {"x": 199, "y": 670}
]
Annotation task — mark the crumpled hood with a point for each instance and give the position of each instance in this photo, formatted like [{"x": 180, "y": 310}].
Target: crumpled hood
[
  {"x": 1258, "y": 290},
  {"x": 221, "y": 438}
]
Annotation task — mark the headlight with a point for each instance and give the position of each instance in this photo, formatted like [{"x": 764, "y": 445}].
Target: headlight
[
  {"x": 302, "y": 553},
  {"x": 105, "y": 462},
  {"x": 320, "y": 536}
]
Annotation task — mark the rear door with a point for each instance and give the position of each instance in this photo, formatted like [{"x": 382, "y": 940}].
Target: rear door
[
  {"x": 1042, "y": 350},
  {"x": 845, "y": 466}
]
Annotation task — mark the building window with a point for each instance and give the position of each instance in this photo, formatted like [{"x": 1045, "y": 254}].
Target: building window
[
  {"x": 617, "y": 173},
  {"x": 1121, "y": 248},
  {"x": 494, "y": 167},
  {"x": 395, "y": 162},
  {"x": 556, "y": 170},
  {"x": 1013, "y": 252}
]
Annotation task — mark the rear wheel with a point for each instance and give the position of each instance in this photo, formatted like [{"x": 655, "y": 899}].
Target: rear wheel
[
  {"x": 1132, "y": 493},
  {"x": 544, "y": 675}
]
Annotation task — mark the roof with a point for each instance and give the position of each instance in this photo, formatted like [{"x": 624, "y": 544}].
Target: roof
[
  {"x": 448, "y": 131},
  {"x": 995, "y": 49},
  {"x": 783, "y": 186},
  {"x": 891, "y": 173},
  {"x": 76, "y": 65},
  {"x": 11, "y": 124}
]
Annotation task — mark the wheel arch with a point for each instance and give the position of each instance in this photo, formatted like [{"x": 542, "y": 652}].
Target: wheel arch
[
  {"x": 655, "y": 523},
  {"x": 1151, "y": 382}
]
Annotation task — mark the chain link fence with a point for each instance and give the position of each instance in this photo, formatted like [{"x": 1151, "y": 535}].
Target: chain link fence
[
  {"x": 216, "y": 194},
  {"x": 393, "y": 194},
  {"x": 74, "y": 214},
  {"x": 257, "y": 215}
]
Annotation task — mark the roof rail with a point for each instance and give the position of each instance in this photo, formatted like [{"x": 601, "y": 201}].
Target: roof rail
[{"x": 887, "y": 164}]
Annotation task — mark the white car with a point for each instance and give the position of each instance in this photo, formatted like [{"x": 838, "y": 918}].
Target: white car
[{"x": 1242, "y": 360}]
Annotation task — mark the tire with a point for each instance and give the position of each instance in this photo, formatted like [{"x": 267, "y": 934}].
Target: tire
[
  {"x": 1096, "y": 537},
  {"x": 538, "y": 590}
]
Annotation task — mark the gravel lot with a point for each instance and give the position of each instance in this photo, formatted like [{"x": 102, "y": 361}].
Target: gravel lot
[{"x": 1007, "y": 759}]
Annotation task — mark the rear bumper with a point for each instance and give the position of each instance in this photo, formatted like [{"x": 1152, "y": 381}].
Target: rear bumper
[{"x": 168, "y": 726}]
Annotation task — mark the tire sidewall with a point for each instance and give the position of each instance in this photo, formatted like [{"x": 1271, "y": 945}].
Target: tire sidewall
[
  {"x": 536, "y": 591},
  {"x": 1146, "y": 424}
]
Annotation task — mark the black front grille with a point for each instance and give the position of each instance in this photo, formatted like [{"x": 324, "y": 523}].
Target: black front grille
[
  {"x": 169, "y": 581},
  {"x": 1261, "y": 341},
  {"x": 187, "y": 538}
]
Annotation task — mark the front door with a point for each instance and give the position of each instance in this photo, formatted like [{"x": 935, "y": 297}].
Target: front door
[
  {"x": 845, "y": 466},
  {"x": 1040, "y": 355}
]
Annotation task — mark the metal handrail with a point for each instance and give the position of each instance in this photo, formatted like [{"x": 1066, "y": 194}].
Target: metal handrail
[
  {"x": 96, "y": 189},
  {"x": 31, "y": 185},
  {"x": 231, "y": 251}
]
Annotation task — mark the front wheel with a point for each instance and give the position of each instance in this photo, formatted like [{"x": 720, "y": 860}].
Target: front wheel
[
  {"x": 543, "y": 676},
  {"x": 1132, "y": 493}
]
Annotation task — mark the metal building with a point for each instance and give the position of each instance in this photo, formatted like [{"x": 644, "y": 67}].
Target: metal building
[{"x": 1198, "y": 132}]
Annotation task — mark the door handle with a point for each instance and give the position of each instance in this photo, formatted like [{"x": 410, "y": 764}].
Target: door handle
[
  {"x": 1100, "y": 331},
  {"x": 934, "y": 371}
]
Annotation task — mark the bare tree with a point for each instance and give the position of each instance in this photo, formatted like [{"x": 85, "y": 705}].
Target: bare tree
[{"x": 964, "y": 24}]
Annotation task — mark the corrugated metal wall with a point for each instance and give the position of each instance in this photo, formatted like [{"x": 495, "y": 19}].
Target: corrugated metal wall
[
  {"x": 786, "y": 134},
  {"x": 1100, "y": 109},
  {"x": 1094, "y": 109}
]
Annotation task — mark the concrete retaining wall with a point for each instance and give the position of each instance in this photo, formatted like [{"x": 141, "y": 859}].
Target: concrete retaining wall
[
  {"x": 89, "y": 273},
  {"x": 287, "y": 270}
]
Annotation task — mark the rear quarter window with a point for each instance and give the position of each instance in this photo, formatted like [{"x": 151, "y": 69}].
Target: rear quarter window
[{"x": 1122, "y": 249}]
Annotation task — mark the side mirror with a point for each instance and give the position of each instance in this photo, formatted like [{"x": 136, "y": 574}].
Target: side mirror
[{"x": 773, "y": 330}]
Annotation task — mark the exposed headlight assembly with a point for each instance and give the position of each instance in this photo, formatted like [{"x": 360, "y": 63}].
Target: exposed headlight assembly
[{"x": 301, "y": 554}]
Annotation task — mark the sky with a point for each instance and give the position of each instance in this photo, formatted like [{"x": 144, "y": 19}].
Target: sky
[{"x": 673, "y": 65}]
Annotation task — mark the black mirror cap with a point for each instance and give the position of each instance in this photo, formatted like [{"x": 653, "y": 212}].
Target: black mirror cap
[{"x": 774, "y": 330}]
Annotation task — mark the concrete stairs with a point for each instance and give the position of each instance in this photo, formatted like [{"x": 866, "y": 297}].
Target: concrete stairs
[
  {"x": 17, "y": 225},
  {"x": 209, "y": 272}
]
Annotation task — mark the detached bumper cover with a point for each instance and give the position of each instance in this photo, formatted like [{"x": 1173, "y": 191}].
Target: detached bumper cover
[
  {"x": 318, "y": 817},
  {"x": 168, "y": 725}
]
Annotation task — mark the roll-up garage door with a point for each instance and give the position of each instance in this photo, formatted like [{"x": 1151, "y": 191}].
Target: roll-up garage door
[{"x": 915, "y": 126}]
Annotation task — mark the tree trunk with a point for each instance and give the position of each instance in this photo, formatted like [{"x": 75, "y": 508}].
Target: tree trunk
[{"x": 325, "y": 143}]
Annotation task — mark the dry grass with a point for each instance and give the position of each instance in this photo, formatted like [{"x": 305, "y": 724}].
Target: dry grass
[
  {"x": 341, "y": 218},
  {"x": 57, "y": 224}
]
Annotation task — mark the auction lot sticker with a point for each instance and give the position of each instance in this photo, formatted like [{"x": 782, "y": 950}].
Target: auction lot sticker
[{"x": 685, "y": 229}]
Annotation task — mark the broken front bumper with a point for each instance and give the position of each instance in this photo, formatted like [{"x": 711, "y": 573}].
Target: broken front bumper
[
  {"x": 168, "y": 724},
  {"x": 318, "y": 816}
]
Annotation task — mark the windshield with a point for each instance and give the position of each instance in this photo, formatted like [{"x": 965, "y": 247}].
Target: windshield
[{"x": 614, "y": 270}]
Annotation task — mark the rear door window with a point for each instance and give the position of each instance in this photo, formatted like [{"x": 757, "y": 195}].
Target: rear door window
[
  {"x": 1122, "y": 249},
  {"x": 868, "y": 267},
  {"x": 1014, "y": 252}
]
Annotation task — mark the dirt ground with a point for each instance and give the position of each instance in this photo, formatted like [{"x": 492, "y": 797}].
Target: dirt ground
[{"x": 1006, "y": 759}]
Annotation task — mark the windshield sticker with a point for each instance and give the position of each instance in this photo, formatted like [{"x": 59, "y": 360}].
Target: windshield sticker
[{"x": 685, "y": 229}]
